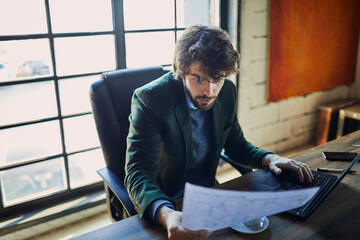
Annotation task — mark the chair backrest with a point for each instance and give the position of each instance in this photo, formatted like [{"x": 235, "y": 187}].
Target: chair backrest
[{"x": 110, "y": 100}]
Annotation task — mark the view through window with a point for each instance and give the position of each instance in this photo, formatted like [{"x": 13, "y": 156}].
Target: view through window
[{"x": 50, "y": 53}]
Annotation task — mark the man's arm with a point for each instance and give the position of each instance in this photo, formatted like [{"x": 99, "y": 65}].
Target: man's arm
[
  {"x": 152, "y": 212},
  {"x": 239, "y": 150},
  {"x": 142, "y": 156},
  {"x": 251, "y": 155},
  {"x": 171, "y": 220}
]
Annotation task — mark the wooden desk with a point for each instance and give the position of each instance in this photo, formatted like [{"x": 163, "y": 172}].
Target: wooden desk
[{"x": 338, "y": 217}]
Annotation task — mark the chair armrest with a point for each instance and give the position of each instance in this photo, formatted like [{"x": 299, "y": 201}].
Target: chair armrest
[
  {"x": 242, "y": 170},
  {"x": 118, "y": 188}
]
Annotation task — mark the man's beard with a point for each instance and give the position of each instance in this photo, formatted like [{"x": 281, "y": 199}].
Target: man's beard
[{"x": 201, "y": 106}]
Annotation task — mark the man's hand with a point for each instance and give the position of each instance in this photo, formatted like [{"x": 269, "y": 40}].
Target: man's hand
[
  {"x": 171, "y": 220},
  {"x": 277, "y": 163}
]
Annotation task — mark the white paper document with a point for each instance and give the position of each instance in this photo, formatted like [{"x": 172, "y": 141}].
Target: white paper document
[{"x": 213, "y": 209}]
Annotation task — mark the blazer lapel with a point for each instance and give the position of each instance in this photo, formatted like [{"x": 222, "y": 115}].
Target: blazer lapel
[
  {"x": 183, "y": 119},
  {"x": 217, "y": 136}
]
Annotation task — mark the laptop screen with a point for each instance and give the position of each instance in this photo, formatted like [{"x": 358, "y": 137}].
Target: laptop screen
[{"x": 346, "y": 171}]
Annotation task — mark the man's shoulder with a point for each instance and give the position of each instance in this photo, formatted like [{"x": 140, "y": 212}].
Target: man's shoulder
[
  {"x": 163, "y": 82},
  {"x": 165, "y": 88}
]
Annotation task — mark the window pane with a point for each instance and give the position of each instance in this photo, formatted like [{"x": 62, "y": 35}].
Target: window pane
[
  {"x": 75, "y": 55},
  {"x": 74, "y": 94},
  {"x": 179, "y": 34},
  {"x": 149, "y": 49},
  {"x": 22, "y": 17},
  {"x": 29, "y": 142},
  {"x": 83, "y": 167},
  {"x": 24, "y": 59},
  {"x": 145, "y": 14},
  {"x": 26, "y": 102},
  {"x": 32, "y": 181},
  {"x": 81, "y": 15},
  {"x": 190, "y": 12},
  {"x": 80, "y": 133}
]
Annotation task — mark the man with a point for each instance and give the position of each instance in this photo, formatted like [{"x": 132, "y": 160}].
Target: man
[{"x": 179, "y": 125}]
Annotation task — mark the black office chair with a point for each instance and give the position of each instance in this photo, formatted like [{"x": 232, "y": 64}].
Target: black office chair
[{"x": 110, "y": 100}]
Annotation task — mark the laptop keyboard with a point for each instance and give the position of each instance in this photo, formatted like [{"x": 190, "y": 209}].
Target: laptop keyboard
[
  {"x": 317, "y": 182},
  {"x": 292, "y": 183}
]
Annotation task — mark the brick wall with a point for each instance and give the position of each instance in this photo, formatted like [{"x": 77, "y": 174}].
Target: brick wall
[{"x": 282, "y": 125}]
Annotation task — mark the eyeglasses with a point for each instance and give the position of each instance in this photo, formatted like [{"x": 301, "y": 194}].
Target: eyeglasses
[{"x": 201, "y": 80}]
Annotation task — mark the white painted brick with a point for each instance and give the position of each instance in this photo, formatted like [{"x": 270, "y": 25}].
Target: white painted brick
[
  {"x": 255, "y": 24},
  {"x": 245, "y": 82},
  {"x": 245, "y": 126},
  {"x": 255, "y": 136},
  {"x": 243, "y": 105},
  {"x": 296, "y": 141},
  {"x": 259, "y": 70},
  {"x": 338, "y": 93},
  {"x": 280, "y": 146},
  {"x": 263, "y": 115},
  {"x": 258, "y": 95},
  {"x": 253, "y": 73},
  {"x": 304, "y": 123},
  {"x": 277, "y": 132},
  {"x": 291, "y": 107},
  {"x": 255, "y": 5},
  {"x": 269, "y": 147},
  {"x": 245, "y": 120},
  {"x": 256, "y": 48},
  {"x": 314, "y": 100},
  {"x": 295, "y": 116},
  {"x": 246, "y": 131}
]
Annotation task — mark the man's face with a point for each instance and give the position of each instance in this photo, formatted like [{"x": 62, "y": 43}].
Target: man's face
[{"x": 201, "y": 89}]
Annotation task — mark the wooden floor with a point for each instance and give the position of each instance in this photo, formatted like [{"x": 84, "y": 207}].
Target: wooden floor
[
  {"x": 76, "y": 229},
  {"x": 225, "y": 173}
]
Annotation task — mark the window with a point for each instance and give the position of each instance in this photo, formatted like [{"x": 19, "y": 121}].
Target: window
[{"x": 50, "y": 53}]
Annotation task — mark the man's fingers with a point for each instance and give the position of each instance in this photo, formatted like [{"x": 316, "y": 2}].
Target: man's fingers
[
  {"x": 308, "y": 174},
  {"x": 302, "y": 170},
  {"x": 305, "y": 171},
  {"x": 300, "y": 174},
  {"x": 275, "y": 169}
]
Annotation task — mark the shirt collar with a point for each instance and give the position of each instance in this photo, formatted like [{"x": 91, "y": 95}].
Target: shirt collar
[{"x": 189, "y": 104}]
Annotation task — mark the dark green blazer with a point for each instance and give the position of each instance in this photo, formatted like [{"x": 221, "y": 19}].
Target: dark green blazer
[{"x": 160, "y": 142}]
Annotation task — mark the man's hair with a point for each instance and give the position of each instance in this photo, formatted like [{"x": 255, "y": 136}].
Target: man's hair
[{"x": 209, "y": 45}]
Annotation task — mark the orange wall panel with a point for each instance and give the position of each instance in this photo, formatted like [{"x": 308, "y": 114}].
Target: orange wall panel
[{"x": 312, "y": 45}]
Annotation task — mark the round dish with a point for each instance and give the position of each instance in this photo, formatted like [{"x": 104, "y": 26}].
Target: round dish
[{"x": 255, "y": 227}]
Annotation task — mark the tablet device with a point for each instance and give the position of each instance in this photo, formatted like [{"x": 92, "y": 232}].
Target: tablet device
[{"x": 339, "y": 156}]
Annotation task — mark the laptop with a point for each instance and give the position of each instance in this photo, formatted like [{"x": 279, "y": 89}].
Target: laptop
[{"x": 289, "y": 181}]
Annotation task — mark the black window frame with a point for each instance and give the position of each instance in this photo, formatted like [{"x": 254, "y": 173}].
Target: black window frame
[{"x": 119, "y": 33}]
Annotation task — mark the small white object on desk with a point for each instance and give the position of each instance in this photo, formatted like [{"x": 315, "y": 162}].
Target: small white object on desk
[{"x": 251, "y": 227}]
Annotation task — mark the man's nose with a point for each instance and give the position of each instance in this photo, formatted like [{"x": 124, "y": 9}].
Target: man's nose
[{"x": 207, "y": 88}]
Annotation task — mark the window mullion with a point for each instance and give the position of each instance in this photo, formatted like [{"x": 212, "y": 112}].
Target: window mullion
[
  {"x": 57, "y": 93},
  {"x": 119, "y": 30}
]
